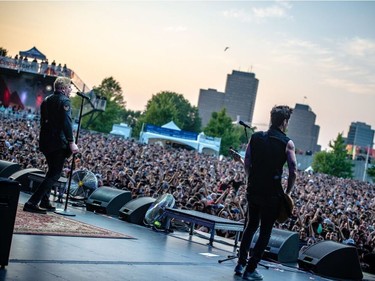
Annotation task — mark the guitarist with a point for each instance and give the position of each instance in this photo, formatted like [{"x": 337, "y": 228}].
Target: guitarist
[{"x": 266, "y": 154}]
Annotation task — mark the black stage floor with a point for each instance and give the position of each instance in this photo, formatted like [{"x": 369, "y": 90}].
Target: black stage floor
[{"x": 151, "y": 256}]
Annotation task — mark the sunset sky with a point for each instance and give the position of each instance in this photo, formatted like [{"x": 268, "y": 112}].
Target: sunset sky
[{"x": 318, "y": 53}]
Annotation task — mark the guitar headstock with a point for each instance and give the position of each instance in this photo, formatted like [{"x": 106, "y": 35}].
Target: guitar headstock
[{"x": 236, "y": 156}]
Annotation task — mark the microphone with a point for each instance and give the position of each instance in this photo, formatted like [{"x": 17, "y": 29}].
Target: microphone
[
  {"x": 82, "y": 95},
  {"x": 244, "y": 124}
]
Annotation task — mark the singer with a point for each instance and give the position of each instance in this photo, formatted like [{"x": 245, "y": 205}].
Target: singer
[
  {"x": 56, "y": 142},
  {"x": 266, "y": 154}
]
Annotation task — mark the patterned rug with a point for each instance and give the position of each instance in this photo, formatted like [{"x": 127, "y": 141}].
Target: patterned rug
[{"x": 58, "y": 225}]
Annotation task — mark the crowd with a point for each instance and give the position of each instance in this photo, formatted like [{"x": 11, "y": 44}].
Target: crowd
[
  {"x": 326, "y": 207},
  {"x": 32, "y": 65}
]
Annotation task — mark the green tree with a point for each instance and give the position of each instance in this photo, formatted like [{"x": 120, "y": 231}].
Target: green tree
[
  {"x": 243, "y": 138},
  {"x": 131, "y": 117},
  {"x": 169, "y": 106},
  {"x": 334, "y": 162},
  {"x": 220, "y": 125},
  {"x": 371, "y": 172},
  {"x": 115, "y": 111}
]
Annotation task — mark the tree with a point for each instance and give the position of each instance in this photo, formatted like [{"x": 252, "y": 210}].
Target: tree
[
  {"x": 371, "y": 172},
  {"x": 131, "y": 117},
  {"x": 169, "y": 106},
  {"x": 243, "y": 138},
  {"x": 220, "y": 125},
  {"x": 322, "y": 162},
  {"x": 334, "y": 162},
  {"x": 111, "y": 89},
  {"x": 115, "y": 111}
]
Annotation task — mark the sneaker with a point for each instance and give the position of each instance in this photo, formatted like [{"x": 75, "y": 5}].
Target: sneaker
[
  {"x": 48, "y": 207},
  {"x": 28, "y": 207},
  {"x": 238, "y": 270},
  {"x": 252, "y": 275}
]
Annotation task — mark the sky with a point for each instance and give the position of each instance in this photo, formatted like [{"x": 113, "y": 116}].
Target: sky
[{"x": 320, "y": 53}]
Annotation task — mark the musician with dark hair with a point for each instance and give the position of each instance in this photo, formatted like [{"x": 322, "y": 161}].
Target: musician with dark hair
[{"x": 266, "y": 154}]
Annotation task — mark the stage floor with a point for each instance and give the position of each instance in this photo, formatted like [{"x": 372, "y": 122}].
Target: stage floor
[{"x": 151, "y": 256}]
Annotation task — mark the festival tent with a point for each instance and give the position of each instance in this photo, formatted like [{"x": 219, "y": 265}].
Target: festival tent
[
  {"x": 171, "y": 125},
  {"x": 170, "y": 132},
  {"x": 33, "y": 53}
]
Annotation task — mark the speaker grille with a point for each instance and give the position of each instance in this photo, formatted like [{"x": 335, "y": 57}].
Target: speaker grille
[
  {"x": 8, "y": 168},
  {"x": 332, "y": 259},
  {"x": 107, "y": 200},
  {"x": 134, "y": 211},
  {"x": 282, "y": 247}
]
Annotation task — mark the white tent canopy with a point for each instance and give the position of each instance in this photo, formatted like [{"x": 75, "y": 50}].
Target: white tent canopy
[
  {"x": 171, "y": 125},
  {"x": 170, "y": 132}
]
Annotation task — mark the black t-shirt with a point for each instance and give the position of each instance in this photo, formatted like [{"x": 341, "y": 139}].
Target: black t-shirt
[{"x": 268, "y": 156}]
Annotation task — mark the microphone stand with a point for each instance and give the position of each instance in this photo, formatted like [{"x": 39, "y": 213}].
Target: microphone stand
[
  {"x": 65, "y": 211},
  {"x": 247, "y": 137}
]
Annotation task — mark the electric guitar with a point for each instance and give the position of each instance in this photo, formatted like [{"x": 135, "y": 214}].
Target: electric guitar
[{"x": 236, "y": 156}]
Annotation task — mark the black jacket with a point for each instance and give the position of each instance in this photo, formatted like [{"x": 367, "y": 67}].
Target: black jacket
[{"x": 56, "y": 123}]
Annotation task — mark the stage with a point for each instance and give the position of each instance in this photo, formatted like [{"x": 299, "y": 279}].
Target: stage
[{"x": 152, "y": 255}]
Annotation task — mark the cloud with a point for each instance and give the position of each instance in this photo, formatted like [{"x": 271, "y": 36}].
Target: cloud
[
  {"x": 269, "y": 12},
  {"x": 305, "y": 47},
  {"x": 350, "y": 85},
  {"x": 284, "y": 3},
  {"x": 178, "y": 28},
  {"x": 359, "y": 47},
  {"x": 347, "y": 65},
  {"x": 260, "y": 14},
  {"x": 298, "y": 52},
  {"x": 352, "y": 63},
  {"x": 358, "y": 51},
  {"x": 237, "y": 14},
  {"x": 330, "y": 63}
]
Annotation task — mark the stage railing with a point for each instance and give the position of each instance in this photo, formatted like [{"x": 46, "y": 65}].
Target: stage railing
[{"x": 43, "y": 69}]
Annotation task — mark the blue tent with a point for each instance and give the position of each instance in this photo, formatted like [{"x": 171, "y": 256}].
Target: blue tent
[{"x": 33, "y": 53}]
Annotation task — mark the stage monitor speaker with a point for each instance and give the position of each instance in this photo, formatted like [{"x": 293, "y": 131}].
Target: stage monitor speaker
[
  {"x": 282, "y": 247},
  {"x": 107, "y": 200},
  {"x": 8, "y": 168},
  {"x": 332, "y": 259},
  {"x": 9, "y": 194},
  {"x": 134, "y": 211},
  {"x": 22, "y": 177}
]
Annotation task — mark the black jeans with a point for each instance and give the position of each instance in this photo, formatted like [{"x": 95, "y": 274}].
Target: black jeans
[
  {"x": 263, "y": 210},
  {"x": 55, "y": 162}
]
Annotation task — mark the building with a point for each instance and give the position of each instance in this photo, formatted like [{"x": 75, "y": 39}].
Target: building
[
  {"x": 303, "y": 130},
  {"x": 360, "y": 134},
  {"x": 238, "y": 99}
]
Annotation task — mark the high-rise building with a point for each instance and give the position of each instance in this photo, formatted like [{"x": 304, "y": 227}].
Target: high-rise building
[
  {"x": 302, "y": 129},
  {"x": 360, "y": 134},
  {"x": 238, "y": 99}
]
